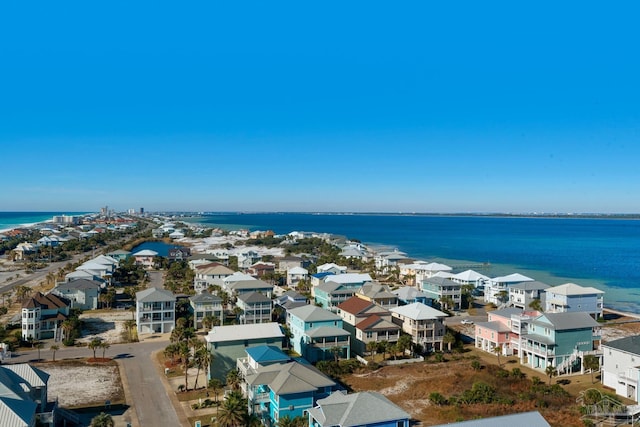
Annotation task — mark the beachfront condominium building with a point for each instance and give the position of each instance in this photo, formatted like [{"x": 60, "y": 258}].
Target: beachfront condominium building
[
  {"x": 155, "y": 311},
  {"x": 570, "y": 298}
]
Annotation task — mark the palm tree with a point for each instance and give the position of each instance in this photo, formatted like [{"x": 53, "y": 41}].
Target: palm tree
[
  {"x": 67, "y": 327},
  {"x": 591, "y": 363},
  {"x": 234, "y": 378},
  {"x": 185, "y": 353},
  {"x": 201, "y": 360},
  {"x": 170, "y": 352},
  {"x": 233, "y": 412},
  {"x": 39, "y": 346},
  {"x": 94, "y": 345},
  {"x": 498, "y": 351},
  {"x": 383, "y": 346},
  {"x": 536, "y": 305},
  {"x": 53, "y": 349},
  {"x": 216, "y": 385},
  {"x": 371, "y": 348},
  {"x": 102, "y": 420},
  {"x": 551, "y": 372},
  {"x": 207, "y": 322},
  {"x": 449, "y": 339},
  {"x": 130, "y": 324},
  {"x": 104, "y": 346}
]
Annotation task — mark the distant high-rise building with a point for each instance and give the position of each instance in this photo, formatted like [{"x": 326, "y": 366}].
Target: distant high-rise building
[
  {"x": 66, "y": 219},
  {"x": 104, "y": 211},
  {"x": 131, "y": 211},
  {"x": 141, "y": 211}
]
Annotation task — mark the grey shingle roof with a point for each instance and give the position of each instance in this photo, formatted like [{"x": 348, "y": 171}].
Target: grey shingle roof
[
  {"x": 80, "y": 284},
  {"x": 626, "y": 344},
  {"x": 154, "y": 295},
  {"x": 254, "y": 297},
  {"x": 327, "y": 331},
  {"x": 312, "y": 313},
  {"x": 565, "y": 321},
  {"x": 528, "y": 419},
  {"x": 349, "y": 410},
  {"x": 205, "y": 297}
]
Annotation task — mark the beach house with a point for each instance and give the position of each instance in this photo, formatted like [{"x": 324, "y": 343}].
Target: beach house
[
  {"x": 82, "y": 293},
  {"x": 205, "y": 305},
  {"x": 42, "y": 316},
  {"x": 425, "y": 324},
  {"x": 497, "y": 331},
  {"x": 560, "y": 340},
  {"x": 522, "y": 295},
  {"x": 230, "y": 342},
  {"x": 570, "y": 298},
  {"x": 496, "y": 290},
  {"x": 446, "y": 292},
  {"x": 155, "y": 311},
  {"x": 317, "y": 334},
  {"x": 296, "y": 275},
  {"x": 621, "y": 366},
  {"x": 24, "y": 397},
  {"x": 145, "y": 258},
  {"x": 363, "y": 409},
  {"x": 255, "y": 308}
]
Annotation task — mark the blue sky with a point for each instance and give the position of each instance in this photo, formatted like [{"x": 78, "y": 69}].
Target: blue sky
[{"x": 327, "y": 106}]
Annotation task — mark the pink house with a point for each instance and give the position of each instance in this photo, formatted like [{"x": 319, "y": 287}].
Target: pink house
[{"x": 503, "y": 328}]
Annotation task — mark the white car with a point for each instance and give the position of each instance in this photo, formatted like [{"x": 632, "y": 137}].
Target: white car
[{"x": 466, "y": 322}]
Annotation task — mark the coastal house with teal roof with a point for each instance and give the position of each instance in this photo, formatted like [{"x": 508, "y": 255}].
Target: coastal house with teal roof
[
  {"x": 363, "y": 409},
  {"x": 317, "y": 333},
  {"x": 560, "y": 340}
]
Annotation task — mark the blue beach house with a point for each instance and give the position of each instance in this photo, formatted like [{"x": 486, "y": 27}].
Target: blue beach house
[
  {"x": 560, "y": 340},
  {"x": 364, "y": 409},
  {"x": 317, "y": 332},
  {"x": 286, "y": 389}
]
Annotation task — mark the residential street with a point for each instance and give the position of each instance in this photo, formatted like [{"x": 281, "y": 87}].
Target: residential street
[{"x": 145, "y": 389}]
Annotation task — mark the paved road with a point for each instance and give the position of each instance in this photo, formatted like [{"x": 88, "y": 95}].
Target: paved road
[{"x": 150, "y": 398}]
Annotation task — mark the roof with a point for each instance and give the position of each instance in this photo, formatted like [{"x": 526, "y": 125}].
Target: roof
[
  {"x": 205, "y": 297},
  {"x": 250, "y": 284},
  {"x": 290, "y": 377},
  {"x": 418, "y": 311},
  {"x": 355, "y": 305},
  {"x": 409, "y": 292},
  {"x": 528, "y": 419},
  {"x": 119, "y": 252},
  {"x": 155, "y": 295},
  {"x": 507, "y": 312},
  {"x": 512, "y": 278},
  {"x": 312, "y": 313},
  {"x": 266, "y": 353},
  {"x": 254, "y": 297},
  {"x": 350, "y": 278},
  {"x": 214, "y": 269},
  {"x": 323, "y": 274},
  {"x": 531, "y": 286},
  {"x": 376, "y": 290},
  {"x": 569, "y": 289},
  {"x": 47, "y": 302},
  {"x": 441, "y": 281},
  {"x": 376, "y": 322},
  {"x": 80, "y": 285},
  {"x": 494, "y": 326},
  {"x": 17, "y": 412},
  {"x": 145, "y": 252},
  {"x": 570, "y": 320},
  {"x": 297, "y": 270},
  {"x": 231, "y": 333},
  {"x": 356, "y": 409},
  {"x": 327, "y": 331},
  {"x": 32, "y": 375},
  {"x": 470, "y": 276},
  {"x": 627, "y": 344}
]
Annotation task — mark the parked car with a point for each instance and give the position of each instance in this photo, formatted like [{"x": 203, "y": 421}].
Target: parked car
[{"x": 466, "y": 322}]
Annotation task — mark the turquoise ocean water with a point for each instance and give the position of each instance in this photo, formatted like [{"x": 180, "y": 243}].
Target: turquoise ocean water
[
  {"x": 604, "y": 253},
  {"x": 16, "y": 219}
]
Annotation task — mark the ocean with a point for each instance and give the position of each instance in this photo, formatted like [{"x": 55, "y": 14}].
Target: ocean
[
  {"x": 603, "y": 253},
  {"x": 9, "y": 220}
]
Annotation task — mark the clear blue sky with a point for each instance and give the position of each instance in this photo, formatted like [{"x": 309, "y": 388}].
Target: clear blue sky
[{"x": 320, "y": 106}]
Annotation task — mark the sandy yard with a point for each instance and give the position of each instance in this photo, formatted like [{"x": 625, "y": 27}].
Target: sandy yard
[
  {"x": 107, "y": 325},
  {"x": 201, "y": 245},
  {"x": 77, "y": 383}
]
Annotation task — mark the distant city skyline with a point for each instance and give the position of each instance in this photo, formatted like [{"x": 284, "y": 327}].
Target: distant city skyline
[{"x": 452, "y": 108}]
